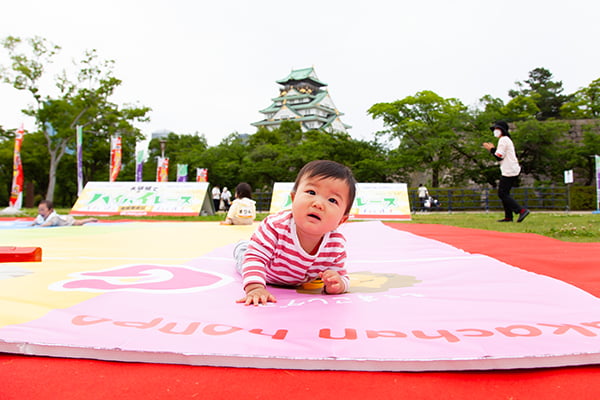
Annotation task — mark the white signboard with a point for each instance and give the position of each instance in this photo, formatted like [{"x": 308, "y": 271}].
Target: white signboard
[
  {"x": 380, "y": 201},
  {"x": 144, "y": 198}
]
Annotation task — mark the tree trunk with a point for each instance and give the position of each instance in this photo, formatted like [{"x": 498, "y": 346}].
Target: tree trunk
[
  {"x": 51, "y": 178},
  {"x": 435, "y": 177},
  {"x": 55, "y": 157}
]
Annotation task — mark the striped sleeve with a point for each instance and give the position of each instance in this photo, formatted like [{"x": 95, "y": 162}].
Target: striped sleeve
[
  {"x": 261, "y": 250},
  {"x": 274, "y": 255}
]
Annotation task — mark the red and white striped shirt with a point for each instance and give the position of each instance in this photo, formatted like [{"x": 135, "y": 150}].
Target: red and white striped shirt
[{"x": 275, "y": 255}]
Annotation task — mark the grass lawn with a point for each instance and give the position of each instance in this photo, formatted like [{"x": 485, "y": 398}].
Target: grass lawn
[{"x": 571, "y": 227}]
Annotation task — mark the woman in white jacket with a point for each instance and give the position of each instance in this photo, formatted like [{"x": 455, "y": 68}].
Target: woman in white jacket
[{"x": 510, "y": 170}]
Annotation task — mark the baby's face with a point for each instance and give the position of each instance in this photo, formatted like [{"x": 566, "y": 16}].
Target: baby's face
[
  {"x": 319, "y": 205},
  {"x": 43, "y": 210}
]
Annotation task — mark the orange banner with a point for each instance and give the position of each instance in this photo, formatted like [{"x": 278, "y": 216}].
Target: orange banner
[
  {"x": 16, "y": 192},
  {"x": 115, "y": 157},
  {"x": 162, "y": 170}
]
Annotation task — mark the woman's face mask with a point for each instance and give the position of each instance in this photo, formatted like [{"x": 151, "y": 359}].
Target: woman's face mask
[{"x": 497, "y": 133}]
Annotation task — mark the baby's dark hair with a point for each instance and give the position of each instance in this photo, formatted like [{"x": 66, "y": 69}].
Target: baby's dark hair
[
  {"x": 48, "y": 204},
  {"x": 329, "y": 169},
  {"x": 243, "y": 190}
]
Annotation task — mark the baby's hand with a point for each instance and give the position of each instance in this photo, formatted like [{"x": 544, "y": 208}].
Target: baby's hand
[
  {"x": 257, "y": 294},
  {"x": 333, "y": 282}
]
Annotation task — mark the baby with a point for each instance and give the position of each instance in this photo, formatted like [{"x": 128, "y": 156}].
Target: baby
[
  {"x": 243, "y": 208},
  {"x": 294, "y": 247},
  {"x": 47, "y": 216}
]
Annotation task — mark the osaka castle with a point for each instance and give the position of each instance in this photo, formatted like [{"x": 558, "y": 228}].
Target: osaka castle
[{"x": 303, "y": 98}]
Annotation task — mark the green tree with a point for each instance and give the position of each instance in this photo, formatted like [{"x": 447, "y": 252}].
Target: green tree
[
  {"x": 544, "y": 149},
  {"x": 82, "y": 100},
  {"x": 584, "y": 103},
  {"x": 544, "y": 92},
  {"x": 179, "y": 149},
  {"x": 583, "y": 156},
  {"x": 427, "y": 127},
  {"x": 520, "y": 108}
]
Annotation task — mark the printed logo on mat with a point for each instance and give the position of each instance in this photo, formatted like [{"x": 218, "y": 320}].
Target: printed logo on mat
[{"x": 150, "y": 278}]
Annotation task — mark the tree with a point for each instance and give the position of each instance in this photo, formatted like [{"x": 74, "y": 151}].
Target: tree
[
  {"x": 179, "y": 149},
  {"x": 427, "y": 127},
  {"x": 520, "y": 108},
  {"x": 544, "y": 92},
  {"x": 582, "y": 158},
  {"x": 82, "y": 100},
  {"x": 544, "y": 149},
  {"x": 584, "y": 103}
]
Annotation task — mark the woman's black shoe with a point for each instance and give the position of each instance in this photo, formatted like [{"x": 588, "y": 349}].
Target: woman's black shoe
[{"x": 505, "y": 220}]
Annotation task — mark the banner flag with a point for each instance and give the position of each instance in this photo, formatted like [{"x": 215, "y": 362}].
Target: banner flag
[
  {"x": 162, "y": 169},
  {"x": 139, "y": 164},
  {"x": 16, "y": 192},
  {"x": 115, "y": 157},
  {"x": 201, "y": 175},
  {"x": 597, "y": 157},
  {"x": 79, "y": 159},
  {"x": 182, "y": 172}
]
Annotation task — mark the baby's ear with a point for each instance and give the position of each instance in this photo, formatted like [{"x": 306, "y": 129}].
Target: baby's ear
[{"x": 344, "y": 218}]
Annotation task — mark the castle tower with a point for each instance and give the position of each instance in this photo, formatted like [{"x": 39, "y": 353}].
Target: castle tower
[{"x": 303, "y": 98}]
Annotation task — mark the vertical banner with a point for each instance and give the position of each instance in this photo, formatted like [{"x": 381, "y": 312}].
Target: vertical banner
[
  {"x": 79, "y": 159},
  {"x": 16, "y": 192},
  {"x": 597, "y": 157},
  {"x": 139, "y": 164},
  {"x": 162, "y": 169},
  {"x": 182, "y": 172},
  {"x": 115, "y": 157},
  {"x": 201, "y": 175}
]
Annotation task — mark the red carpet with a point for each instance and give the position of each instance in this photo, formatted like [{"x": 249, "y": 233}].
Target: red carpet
[{"x": 23, "y": 377}]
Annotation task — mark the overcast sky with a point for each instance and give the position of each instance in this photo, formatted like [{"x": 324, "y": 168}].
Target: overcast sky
[{"x": 210, "y": 66}]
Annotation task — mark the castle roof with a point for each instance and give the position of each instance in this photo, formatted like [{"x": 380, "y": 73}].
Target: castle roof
[{"x": 303, "y": 74}]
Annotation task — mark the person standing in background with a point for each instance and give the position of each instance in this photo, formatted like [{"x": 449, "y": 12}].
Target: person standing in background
[
  {"x": 226, "y": 197},
  {"x": 423, "y": 195},
  {"x": 510, "y": 170},
  {"x": 216, "y": 196}
]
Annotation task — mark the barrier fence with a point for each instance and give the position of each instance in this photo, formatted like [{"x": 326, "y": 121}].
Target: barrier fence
[{"x": 539, "y": 198}]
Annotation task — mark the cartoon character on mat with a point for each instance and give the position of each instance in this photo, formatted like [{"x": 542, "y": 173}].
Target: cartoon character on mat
[{"x": 366, "y": 282}]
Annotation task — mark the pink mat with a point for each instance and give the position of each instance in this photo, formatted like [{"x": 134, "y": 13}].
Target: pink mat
[{"x": 415, "y": 305}]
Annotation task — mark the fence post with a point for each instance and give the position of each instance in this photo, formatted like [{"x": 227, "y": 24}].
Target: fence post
[{"x": 487, "y": 200}]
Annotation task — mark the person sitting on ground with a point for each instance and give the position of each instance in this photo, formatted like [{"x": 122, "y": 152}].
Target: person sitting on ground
[
  {"x": 47, "y": 216},
  {"x": 301, "y": 245},
  {"x": 243, "y": 208}
]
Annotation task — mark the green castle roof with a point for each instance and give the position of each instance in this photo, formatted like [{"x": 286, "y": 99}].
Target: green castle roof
[
  {"x": 315, "y": 99},
  {"x": 301, "y": 75}
]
